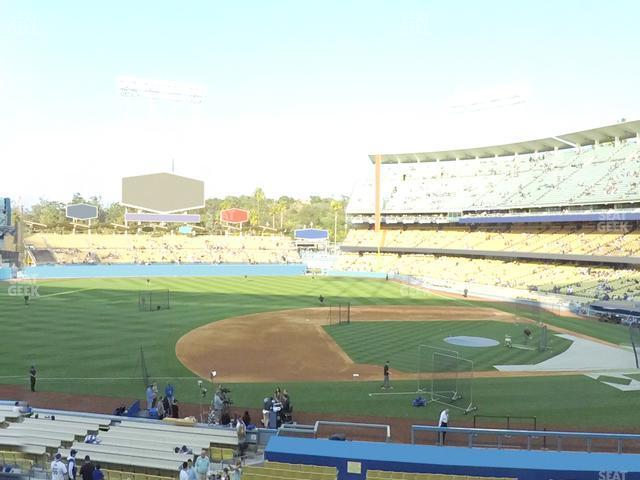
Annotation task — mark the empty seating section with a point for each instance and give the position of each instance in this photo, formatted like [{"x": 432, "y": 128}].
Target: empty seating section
[
  {"x": 277, "y": 471},
  {"x": 15, "y": 459},
  {"x": 383, "y": 475},
  {"x": 129, "y": 450},
  {"x": 588, "y": 239},
  {"x": 602, "y": 174},
  {"x": 579, "y": 280},
  {"x": 119, "y": 475},
  {"x": 142, "y": 248}
]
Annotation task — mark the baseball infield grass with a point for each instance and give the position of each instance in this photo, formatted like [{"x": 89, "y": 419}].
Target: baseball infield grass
[
  {"x": 85, "y": 336},
  {"x": 377, "y": 342}
]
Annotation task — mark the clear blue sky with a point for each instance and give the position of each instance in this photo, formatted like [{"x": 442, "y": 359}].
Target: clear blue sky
[{"x": 298, "y": 92}]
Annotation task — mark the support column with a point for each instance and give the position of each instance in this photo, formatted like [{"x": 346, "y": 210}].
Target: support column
[{"x": 377, "y": 193}]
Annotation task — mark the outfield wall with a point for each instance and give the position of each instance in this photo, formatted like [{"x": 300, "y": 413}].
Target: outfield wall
[
  {"x": 548, "y": 301},
  {"x": 354, "y": 458},
  {"x": 162, "y": 270},
  {"x": 5, "y": 273}
]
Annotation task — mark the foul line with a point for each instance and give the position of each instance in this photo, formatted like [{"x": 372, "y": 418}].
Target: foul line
[
  {"x": 97, "y": 378},
  {"x": 394, "y": 393},
  {"x": 66, "y": 292}
]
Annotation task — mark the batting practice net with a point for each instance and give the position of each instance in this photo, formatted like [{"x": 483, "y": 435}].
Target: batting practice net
[
  {"x": 446, "y": 377},
  {"x": 339, "y": 314},
  {"x": 153, "y": 300},
  {"x": 528, "y": 332}
]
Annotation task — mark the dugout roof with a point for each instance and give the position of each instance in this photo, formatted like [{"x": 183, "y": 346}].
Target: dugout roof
[{"x": 622, "y": 131}]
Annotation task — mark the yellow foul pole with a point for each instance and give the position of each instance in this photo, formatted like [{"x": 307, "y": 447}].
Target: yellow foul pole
[{"x": 377, "y": 193}]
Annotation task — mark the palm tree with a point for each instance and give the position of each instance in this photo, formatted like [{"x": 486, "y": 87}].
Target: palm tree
[
  {"x": 281, "y": 207},
  {"x": 336, "y": 206},
  {"x": 259, "y": 197}
]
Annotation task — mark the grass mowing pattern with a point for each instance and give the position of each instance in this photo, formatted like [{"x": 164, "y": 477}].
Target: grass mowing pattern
[
  {"x": 92, "y": 328},
  {"x": 397, "y": 341}
]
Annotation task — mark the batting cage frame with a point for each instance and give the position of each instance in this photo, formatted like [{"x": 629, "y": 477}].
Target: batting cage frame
[
  {"x": 534, "y": 334},
  {"x": 339, "y": 314},
  {"x": 446, "y": 377},
  {"x": 154, "y": 300}
]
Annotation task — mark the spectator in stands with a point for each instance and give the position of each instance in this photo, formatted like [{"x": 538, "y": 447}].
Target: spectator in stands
[
  {"x": 23, "y": 409},
  {"x": 86, "y": 471},
  {"x": 58, "y": 468},
  {"x": 160, "y": 409},
  {"x": 184, "y": 473},
  {"x": 246, "y": 418},
  {"x": 236, "y": 471},
  {"x": 266, "y": 408},
  {"x": 241, "y": 430},
  {"x": 149, "y": 395},
  {"x": 97, "y": 473},
  {"x": 167, "y": 405},
  {"x": 286, "y": 401},
  {"x": 190, "y": 470},
  {"x": 32, "y": 377},
  {"x": 71, "y": 464},
  {"x": 202, "y": 465},
  {"x": 169, "y": 392}
]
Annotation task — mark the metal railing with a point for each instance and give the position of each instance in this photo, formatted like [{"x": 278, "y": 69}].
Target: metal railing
[
  {"x": 313, "y": 429},
  {"x": 529, "y": 435},
  {"x": 507, "y": 418}
]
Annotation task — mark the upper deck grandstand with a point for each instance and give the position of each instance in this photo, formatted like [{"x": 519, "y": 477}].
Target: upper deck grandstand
[
  {"x": 557, "y": 214},
  {"x": 584, "y": 169}
]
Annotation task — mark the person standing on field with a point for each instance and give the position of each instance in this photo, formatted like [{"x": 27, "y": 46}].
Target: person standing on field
[
  {"x": 385, "y": 373},
  {"x": 443, "y": 422},
  {"x": 32, "y": 377}
]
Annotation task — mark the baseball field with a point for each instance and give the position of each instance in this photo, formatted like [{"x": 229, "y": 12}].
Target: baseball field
[{"x": 85, "y": 337}]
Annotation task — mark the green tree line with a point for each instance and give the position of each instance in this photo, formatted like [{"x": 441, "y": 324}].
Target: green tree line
[{"x": 266, "y": 215}]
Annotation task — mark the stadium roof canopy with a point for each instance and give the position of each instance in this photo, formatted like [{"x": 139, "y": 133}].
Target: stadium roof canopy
[{"x": 622, "y": 130}]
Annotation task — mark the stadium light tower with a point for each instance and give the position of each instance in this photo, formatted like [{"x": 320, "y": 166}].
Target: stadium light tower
[
  {"x": 161, "y": 90},
  {"x": 489, "y": 98},
  {"x": 157, "y": 91}
]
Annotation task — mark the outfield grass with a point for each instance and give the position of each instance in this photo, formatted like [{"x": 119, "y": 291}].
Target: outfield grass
[{"x": 92, "y": 329}]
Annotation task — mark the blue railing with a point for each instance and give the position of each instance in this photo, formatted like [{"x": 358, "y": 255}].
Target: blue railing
[{"x": 529, "y": 436}]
